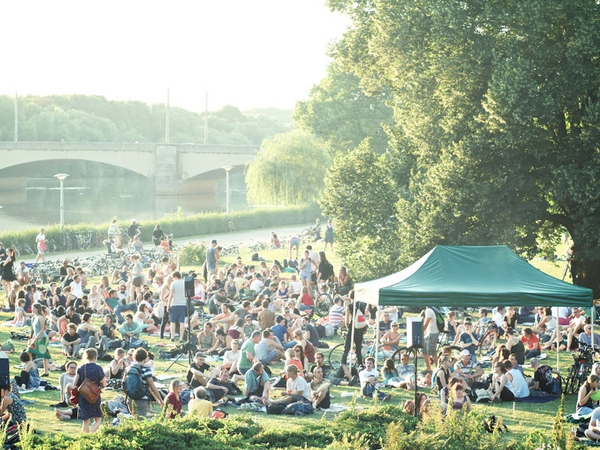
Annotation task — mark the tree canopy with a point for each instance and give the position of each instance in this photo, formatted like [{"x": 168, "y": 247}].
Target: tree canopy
[
  {"x": 88, "y": 118},
  {"x": 496, "y": 107},
  {"x": 288, "y": 169}
]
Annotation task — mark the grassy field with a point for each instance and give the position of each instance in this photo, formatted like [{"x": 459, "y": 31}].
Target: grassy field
[{"x": 521, "y": 418}]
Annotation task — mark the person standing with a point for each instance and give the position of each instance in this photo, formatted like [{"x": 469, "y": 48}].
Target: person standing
[
  {"x": 95, "y": 374},
  {"x": 145, "y": 374},
  {"x": 8, "y": 274},
  {"x": 211, "y": 258},
  {"x": 357, "y": 335},
  {"x": 177, "y": 306},
  {"x": 38, "y": 343},
  {"x": 40, "y": 242},
  {"x": 430, "y": 334},
  {"x": 328, "y": 236}
]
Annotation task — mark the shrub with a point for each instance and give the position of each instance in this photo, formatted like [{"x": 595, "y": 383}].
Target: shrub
[{"x": 193, "y": 254}]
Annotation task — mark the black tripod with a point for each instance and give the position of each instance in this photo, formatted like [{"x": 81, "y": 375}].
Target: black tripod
[{"x": 189, "y": 347}]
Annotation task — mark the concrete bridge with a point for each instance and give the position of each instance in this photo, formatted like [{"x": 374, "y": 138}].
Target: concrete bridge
[
  {"x": 168, "y": 164},
  {"x": 178, "y": 172}
]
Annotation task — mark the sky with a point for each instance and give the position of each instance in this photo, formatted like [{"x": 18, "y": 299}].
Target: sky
[{"x": 246, "y": 53}]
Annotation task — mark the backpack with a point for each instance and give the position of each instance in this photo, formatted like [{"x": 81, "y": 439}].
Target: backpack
[
  {"x": 439, "y": 319},
  {"x": 361, "y": 320},
  {"x": 557, "y": 386},
  {"x": 135, "y": 387}
]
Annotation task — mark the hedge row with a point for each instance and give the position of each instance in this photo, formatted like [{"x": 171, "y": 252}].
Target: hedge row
[{"x": 177, "y": 224}]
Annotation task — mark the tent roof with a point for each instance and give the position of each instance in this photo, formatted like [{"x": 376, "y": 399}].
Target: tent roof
[{"x": 452, "y": 276}]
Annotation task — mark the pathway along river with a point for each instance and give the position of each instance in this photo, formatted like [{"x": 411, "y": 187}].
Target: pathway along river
[{"x": 246, "y": 237}]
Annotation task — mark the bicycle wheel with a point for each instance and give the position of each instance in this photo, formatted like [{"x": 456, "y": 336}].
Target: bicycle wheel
[
  {"x": 335, "y": 356},
  {"x": 323, "y": 304},
  {"x": 487, "y": 344},
  {"x": 572, "y": 383}
]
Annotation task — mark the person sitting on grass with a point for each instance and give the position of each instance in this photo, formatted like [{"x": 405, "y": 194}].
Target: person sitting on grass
[
  {"x": 319, "y": 388},
  {"x": 400, "y": 376},
  {"x": 368, "y": 380},
  {"x": 467, "y": 369},
  {"x": 501, "y": 388},
  {"x": 297, "y": 389},
  {"x": 199, "y": 371},
  {"x": 11, "y": 407},
  {"x": 71, "y": 341},
  {"x": 257, "y": 387},
  {"x": 199, "y": 405},
  {"x": 517, "y": 381},
  {"x": 118, "y": 365},
  {"x": 130, "y": 330},
  {"x": 593, "y": 430},
  {"x": 65, "y": 383},
  {"x": 30, "y": 376},
  {"x": 66, "y": 414},
  {"x": 221, "y": 390},
  {"x": 173, "y": 399}
]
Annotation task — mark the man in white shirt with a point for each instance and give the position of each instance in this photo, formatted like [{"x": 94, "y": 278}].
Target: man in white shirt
[
  {"x": 297, "y": 389},
  {"x": 177, "y": 306},
  {"x": 430, "y": 335},
  {"x": 76, "y": 287},
  {"x": 369, "y": 376},
  {"x": 257, "y": 285}
]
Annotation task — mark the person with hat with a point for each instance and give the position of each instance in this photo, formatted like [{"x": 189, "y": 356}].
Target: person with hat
[{"x": 467, "y": 369}]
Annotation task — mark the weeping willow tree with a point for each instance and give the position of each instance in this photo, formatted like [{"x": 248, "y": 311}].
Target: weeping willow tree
[{"x": 289, "y": 169}]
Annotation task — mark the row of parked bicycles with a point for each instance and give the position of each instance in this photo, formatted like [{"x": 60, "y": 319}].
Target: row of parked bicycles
[{"x": 68, "y": 241}]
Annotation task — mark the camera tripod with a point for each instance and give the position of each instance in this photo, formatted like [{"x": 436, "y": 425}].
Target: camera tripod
[{"x": 189, "y": 347}]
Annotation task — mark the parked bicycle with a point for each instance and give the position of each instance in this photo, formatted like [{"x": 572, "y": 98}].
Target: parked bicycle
[{"x": 580, "y": 370}]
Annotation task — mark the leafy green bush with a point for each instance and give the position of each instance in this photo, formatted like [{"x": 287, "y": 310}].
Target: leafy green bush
[
  {"x": 371, "y": 424},
  {"x": 193, "y": 254}
]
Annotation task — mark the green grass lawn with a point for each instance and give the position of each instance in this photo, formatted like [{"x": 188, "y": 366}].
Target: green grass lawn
[{"x": 521, "y": 418}]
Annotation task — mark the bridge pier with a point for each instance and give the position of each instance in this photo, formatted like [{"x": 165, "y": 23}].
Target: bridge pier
[{"x": 166, "y": 182}]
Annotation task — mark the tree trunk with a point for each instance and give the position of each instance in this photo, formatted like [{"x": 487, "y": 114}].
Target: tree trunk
[{"x": 586, "y": 273}]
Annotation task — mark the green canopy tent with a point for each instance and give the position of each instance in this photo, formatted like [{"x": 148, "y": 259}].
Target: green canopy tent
[
  {"x": 471, "y": 276},
  {"x": 453, "y": 276}
]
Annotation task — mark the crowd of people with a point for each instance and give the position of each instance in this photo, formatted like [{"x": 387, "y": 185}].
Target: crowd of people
[{"x": 241, "y": 322}]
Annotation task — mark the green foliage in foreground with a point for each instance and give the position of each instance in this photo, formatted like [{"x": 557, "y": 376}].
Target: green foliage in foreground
[{"x": 379, "y": 427}]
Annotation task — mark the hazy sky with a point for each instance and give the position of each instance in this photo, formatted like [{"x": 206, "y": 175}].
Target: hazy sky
[{"x": 248, "y": 53}]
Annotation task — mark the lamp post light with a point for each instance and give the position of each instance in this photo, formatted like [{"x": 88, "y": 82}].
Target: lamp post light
[
  {"x": 227, "y": 169},
  {"x": 61, "y": 177}
]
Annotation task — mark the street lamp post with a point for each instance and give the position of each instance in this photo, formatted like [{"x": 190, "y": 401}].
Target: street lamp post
[
  {"x": 227, "y": 169},
  {"x": 61, "y": 177}
]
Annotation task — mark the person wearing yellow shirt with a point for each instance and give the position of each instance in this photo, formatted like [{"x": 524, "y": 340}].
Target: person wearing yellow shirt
[{"x": 199, "y": 405}]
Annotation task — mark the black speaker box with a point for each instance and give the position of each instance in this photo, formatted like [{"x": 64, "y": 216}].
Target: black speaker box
[
  {"x": 414, "y": 332},
  {"x": 189, "y": 286}
]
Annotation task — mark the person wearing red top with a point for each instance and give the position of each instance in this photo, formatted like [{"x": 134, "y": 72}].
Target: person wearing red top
[
  {"x": 532, "y": 343},
  {"x": 173, "y": 399},
  {"x": 305, "y": 302}
]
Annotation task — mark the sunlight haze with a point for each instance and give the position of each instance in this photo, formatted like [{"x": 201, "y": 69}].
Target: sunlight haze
[{"x": 250, "y": 54}]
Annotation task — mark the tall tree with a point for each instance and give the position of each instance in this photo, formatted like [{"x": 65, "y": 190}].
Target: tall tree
[
  {"x": 341, "y": 113},
  {"x": 288, "y": 169},
  {"x": 497, "y": 111}
]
